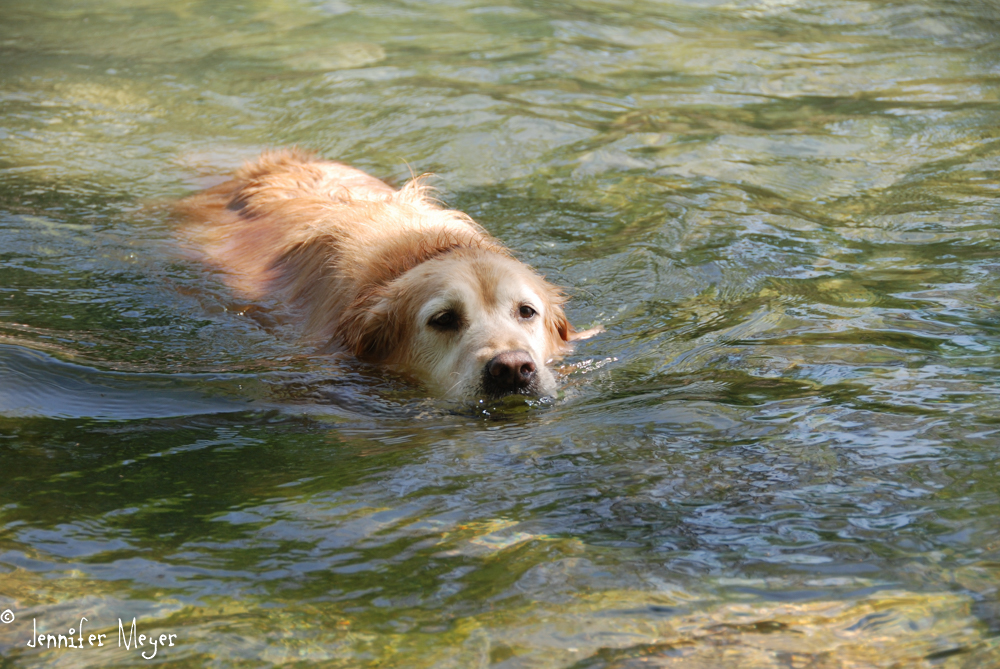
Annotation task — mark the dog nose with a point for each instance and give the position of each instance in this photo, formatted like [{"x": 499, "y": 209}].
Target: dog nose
[{"x": 510, "y": 372}]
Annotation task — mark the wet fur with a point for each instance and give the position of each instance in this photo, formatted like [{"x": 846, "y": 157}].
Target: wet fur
[{"x": 357, "y": 260}]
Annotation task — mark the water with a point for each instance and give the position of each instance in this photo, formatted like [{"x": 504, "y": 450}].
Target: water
[{"x": 781, "y": 453}]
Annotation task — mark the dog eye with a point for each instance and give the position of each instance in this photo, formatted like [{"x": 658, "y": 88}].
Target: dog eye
[
  {"x": 526, "y": 312},
  {"x": 446, "y": 320}
]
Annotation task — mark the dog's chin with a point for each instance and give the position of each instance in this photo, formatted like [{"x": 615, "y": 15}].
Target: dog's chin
[
  {"x": 540, "y": 386},
  {"x": 531, "y": 390},
  {"x": 477, "y": 390}
]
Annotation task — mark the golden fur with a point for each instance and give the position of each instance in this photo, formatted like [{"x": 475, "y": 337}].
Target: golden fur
[{"x": 385, "y": 274}]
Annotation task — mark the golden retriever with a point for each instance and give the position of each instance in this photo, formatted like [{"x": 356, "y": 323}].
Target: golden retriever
[{"x": 385, "y": 274}]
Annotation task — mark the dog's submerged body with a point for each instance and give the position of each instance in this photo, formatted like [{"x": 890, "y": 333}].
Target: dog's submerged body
[{"x": 385, "y": 274}]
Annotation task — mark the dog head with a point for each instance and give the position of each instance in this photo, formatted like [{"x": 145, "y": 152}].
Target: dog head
[{"x": 467, "y": 323}]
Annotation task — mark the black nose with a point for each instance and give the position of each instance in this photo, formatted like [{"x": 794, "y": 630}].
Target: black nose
[{"x": 509, "y": 372}]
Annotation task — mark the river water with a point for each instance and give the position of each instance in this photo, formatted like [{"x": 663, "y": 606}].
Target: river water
[{"x": 783, "y": 451}]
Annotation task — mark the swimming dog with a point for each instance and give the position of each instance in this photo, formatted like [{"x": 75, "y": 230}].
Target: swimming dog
[{"x": 386, "y": 274}]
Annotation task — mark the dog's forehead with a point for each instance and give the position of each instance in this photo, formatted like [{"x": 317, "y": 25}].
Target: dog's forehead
[
  {"x": 500, "y": 281},
  {"x": 490, "y": 282}
]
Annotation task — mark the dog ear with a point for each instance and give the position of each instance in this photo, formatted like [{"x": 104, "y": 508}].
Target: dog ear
[
  {"x": 559, "y": 330},
  {"x": 370, "y": 329},
  {"x": 562, "y": 333},
  {"x": 560, "y": 324}
]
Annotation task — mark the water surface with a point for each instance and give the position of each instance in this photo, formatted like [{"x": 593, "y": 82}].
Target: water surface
[{"x": 782, "y": 452}]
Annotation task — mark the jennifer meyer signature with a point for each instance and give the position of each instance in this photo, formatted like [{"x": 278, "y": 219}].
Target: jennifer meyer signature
[{"x": 75, "y": 639}]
